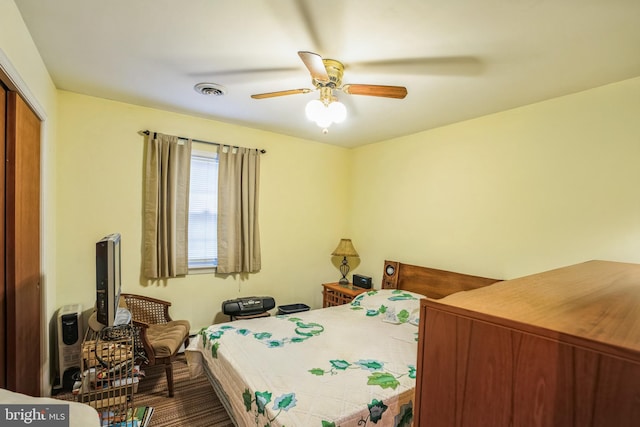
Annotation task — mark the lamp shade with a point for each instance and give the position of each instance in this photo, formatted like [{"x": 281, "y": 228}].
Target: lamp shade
[
  {"x": 337, "y": 111},
  {"x": 314, "y": 109},
  {"x": 325, "y": 113},
  {"x": 345, "y": 248}
]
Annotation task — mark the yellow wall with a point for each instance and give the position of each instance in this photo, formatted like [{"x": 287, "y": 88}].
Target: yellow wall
[
  {"x": 505, "y": 195},
  {"x": 23, "y": 58},
  {"x": 303, "y": 207},
  {"x": 518, "y": 192}
]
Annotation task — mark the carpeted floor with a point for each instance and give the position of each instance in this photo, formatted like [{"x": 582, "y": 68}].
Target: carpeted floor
[{"x": 194, "y": 404}]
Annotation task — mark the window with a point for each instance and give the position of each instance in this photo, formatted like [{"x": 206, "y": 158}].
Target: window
[{"x": 203, "y": 210}]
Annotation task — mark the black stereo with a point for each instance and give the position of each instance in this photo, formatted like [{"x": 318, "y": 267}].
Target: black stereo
[
  {"x": 247, "y": 306},
  {"x": 362, "y": 281}
]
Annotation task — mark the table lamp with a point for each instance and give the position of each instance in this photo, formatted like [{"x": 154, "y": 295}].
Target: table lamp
[{"x": 345, "y": 249}]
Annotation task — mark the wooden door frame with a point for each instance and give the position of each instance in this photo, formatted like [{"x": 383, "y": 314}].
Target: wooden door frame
[
  {"x": 12, "y": 80},
  {"x": 3, "y": 298}
]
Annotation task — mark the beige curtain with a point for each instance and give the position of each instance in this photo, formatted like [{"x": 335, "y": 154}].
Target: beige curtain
[
  {"x": 238, "y": 231},
  {"x": 166, "y": 206}
]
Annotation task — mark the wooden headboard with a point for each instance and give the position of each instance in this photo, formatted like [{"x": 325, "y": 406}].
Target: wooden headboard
[{"x": 427, "y": 281}]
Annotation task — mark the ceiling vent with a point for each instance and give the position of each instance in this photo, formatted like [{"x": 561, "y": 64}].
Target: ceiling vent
[{"x": 210, "y": 89}]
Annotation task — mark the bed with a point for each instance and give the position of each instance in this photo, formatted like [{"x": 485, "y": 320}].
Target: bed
[{"x": 349, "y": 365}]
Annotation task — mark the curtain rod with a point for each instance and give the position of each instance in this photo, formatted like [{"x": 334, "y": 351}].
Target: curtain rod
[{"x": 146, "y": 132}]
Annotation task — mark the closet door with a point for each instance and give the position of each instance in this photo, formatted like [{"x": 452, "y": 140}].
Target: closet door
[
  {"x": 22, "y": 248},
  {"x": 3, "y": 326}
]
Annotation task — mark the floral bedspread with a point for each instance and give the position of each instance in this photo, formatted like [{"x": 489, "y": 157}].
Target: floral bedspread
[{"x": 351, "y": 365}]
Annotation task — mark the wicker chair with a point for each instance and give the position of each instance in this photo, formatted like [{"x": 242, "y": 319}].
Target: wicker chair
[{"x": 158, "y": 338}]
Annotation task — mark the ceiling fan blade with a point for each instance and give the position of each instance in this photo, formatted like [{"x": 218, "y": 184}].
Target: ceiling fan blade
[
  {"x": 243, "y": 72},
  {"x": 398, "y": 92},
  {"x": 280, "y": 93},
  {"x": 314, "y": 64},
  {"x": 444, "y": 66}
]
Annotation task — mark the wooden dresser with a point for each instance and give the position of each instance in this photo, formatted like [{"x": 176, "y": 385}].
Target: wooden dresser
[{"x": 560, "y": 348}]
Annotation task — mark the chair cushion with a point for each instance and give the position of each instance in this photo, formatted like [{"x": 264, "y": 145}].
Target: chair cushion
[{"x": 167, "y": 338}]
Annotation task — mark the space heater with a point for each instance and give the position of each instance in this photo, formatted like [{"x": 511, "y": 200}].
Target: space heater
[{"x": 70, "y": 332}]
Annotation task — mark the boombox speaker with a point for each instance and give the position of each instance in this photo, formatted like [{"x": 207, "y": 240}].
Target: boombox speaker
[
  {"x": 390, "y": 275},
  {"x": 247, "y": 306}
]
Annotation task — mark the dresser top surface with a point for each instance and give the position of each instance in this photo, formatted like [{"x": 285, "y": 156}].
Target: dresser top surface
[{"x": 597, "y": 300}]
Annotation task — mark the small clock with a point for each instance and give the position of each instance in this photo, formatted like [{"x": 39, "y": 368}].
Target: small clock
[{"x": 390, "y": 269}]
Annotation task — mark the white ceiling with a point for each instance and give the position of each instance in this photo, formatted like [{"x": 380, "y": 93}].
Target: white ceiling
[{"x": 458, "y": 59}]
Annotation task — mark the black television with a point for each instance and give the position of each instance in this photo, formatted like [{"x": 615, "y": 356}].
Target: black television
[{"x": 108, "y": 278}]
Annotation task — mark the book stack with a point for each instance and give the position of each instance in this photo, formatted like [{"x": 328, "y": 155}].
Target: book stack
[{"x": 140, "y": 416}]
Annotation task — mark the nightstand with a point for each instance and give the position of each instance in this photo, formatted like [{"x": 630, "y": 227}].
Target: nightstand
[{"x": 337, "y": 294}]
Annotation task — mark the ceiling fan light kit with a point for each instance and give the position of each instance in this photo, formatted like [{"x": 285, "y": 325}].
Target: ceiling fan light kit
[
  {"x": 326, "y": 110},
  {"x": 325, "y": 114},
  {"x": 326, "y": 75}
]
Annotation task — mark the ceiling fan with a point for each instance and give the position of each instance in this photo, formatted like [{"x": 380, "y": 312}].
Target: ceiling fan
[{"x": 326, "y": 76}]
